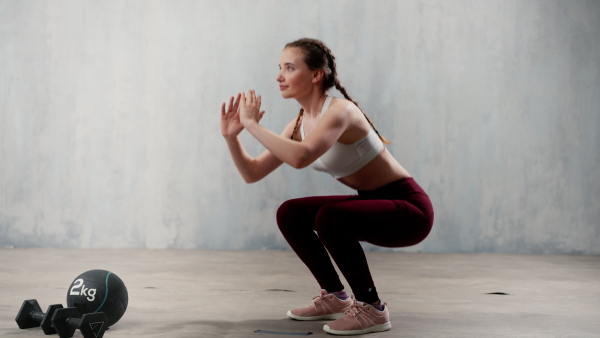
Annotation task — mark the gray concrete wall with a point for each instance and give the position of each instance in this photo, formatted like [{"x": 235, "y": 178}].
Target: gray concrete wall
[{"x": 109, "y": 118}]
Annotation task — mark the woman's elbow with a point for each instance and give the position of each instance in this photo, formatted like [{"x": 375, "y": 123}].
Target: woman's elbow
[
  {"x": 249, "y": 180},
  {"x": 300, "y": 162},
  {"x": 297, "y": 165},
  {"x": 252, "y": 179}
]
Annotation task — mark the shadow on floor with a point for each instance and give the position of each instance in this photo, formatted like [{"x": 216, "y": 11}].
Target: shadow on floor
[{"x": 247, "y": 328}]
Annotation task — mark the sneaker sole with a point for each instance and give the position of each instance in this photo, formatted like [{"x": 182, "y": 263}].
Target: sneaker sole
[
  {"x": 332, "y": 316},
  {"x": 377, "y": 328}
]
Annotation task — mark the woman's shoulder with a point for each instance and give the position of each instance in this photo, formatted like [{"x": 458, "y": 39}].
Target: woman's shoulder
[
  {"x": 342, "y": 105},
  {"x": 343, "y": 108}
]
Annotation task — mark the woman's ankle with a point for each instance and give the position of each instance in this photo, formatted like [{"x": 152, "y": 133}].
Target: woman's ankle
[
  {"x": 378, "y": 305},
  {"x": 340, "y": 294}
]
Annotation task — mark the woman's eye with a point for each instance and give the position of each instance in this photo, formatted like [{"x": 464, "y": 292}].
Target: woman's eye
[{"x": 289, "y": 68}]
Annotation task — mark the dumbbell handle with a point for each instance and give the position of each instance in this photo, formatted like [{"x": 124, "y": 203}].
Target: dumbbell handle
[
  {"x": 91, "y": 325},
  {"x": 37, "y": 316},
  {"x": 74, "y": 322}
]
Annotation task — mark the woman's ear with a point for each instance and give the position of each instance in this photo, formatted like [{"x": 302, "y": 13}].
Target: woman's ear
[{"x": 317, "y": 75}]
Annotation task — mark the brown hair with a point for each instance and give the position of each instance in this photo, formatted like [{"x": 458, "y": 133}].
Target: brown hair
[{"x": 318, "y": 56}]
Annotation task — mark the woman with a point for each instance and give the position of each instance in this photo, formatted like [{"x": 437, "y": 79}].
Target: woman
[{"x": 335, "y": 136}]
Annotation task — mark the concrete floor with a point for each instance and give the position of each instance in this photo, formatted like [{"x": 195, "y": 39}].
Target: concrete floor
[{"x": 234, "y": 293}]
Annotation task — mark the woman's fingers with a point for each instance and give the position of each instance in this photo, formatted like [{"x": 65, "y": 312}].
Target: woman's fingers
[
  {"x": 252, "y": 98},
  {"x": 233, "y": 106},
  {"x": 246, "y": 99},
  {"x": 237, "y": 101},
  {"x": 230, "y": 103}
]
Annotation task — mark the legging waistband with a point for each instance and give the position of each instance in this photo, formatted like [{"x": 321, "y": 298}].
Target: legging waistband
[{"x": 400, "y": 189}]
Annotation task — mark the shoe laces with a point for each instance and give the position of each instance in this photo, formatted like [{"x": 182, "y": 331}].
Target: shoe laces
[
  {"x": 320, "y": 297},
  {"x": 354, "y": 309}
]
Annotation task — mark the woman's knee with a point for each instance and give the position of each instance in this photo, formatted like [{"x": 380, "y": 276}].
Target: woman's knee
[
  {"x": 288, "y": 214},
  {"x": 330, "y": 221}
]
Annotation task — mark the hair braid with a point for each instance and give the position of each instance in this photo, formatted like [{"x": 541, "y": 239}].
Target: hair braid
[
  {"x": 318, "y": 56},
  {"x": 342, "y": 90},
  {"x": 298, "y": 119}
]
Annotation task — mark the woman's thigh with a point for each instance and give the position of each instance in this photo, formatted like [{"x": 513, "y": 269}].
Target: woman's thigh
[
  {"x": 388, "y": 223},
  {"x": 303, "y": 211}
]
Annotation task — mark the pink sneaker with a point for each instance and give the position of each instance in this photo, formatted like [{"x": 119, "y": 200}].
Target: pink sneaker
[
  {"x": 359, "y": 319},
  {"x": 324, "y": 306}
]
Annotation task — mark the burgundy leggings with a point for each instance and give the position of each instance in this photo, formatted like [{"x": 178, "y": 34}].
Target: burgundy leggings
[{"x": 397, "y": 215}]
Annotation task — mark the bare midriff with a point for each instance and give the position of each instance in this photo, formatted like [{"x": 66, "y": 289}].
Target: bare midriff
[{"x": 382, "y": 170}]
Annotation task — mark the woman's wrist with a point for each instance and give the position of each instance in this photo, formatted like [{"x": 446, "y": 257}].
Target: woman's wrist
[
  {"x": 249, "y": 123},
  {"x": 230, "y": 137}
]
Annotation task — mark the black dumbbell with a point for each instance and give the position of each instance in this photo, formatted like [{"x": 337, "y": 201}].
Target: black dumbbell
[
  {"x": 31, "y": 315},
  {"x": 67, "y": 320}
]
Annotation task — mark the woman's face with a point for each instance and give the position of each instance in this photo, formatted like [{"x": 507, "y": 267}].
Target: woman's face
[{"x": 295, "y": 78}]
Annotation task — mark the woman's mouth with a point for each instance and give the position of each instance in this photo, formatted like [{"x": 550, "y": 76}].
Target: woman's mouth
[{"x": 282, "y": 87}]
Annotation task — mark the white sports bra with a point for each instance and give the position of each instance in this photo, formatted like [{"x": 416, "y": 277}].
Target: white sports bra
[{"x": 343, "y": 160}]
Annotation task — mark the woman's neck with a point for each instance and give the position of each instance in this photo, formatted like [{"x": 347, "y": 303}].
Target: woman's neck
[{"x": 312, "y": 103}]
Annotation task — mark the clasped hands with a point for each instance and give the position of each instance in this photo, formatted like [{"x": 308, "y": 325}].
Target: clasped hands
[{"x": 240, "y": 113}]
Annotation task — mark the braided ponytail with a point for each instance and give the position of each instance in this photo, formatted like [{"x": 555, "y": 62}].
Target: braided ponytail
[
  {"x": 298, "y": 119},
  {"x": 342, "y": 90},
  {"x": 318, "y": 56}
]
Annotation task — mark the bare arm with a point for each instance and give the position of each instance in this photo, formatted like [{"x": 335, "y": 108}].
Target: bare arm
[
  {"x": 251, "y": 169},
  {"x": 296, "y": 154}
]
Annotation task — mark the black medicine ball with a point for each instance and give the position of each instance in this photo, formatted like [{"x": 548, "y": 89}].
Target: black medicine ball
[{"x": 99, "y": 291}]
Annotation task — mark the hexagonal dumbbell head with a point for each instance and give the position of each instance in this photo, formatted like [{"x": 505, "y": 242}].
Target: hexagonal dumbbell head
[
  {"x": 46, "y": 322},
  {"x": 67, "y": 320},
  {"x": 31, "y": 315},
  {"x": 25, "y": 318},
  {"x": 93, "y": 325}
]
